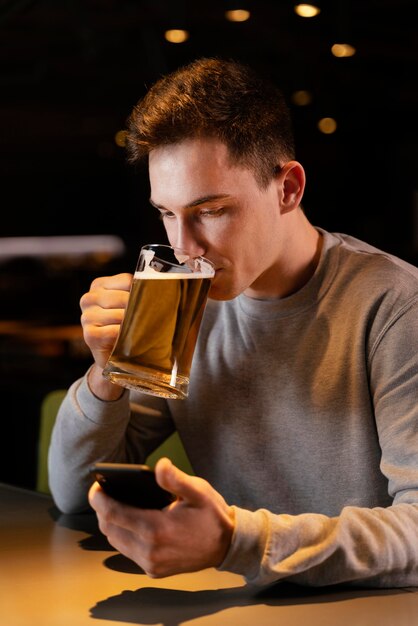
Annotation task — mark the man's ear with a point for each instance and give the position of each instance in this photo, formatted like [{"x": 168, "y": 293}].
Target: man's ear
[{"x": 291, "y": 179}]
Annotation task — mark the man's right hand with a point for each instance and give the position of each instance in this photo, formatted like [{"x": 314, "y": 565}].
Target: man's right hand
[{"x": 103, "y": 308}]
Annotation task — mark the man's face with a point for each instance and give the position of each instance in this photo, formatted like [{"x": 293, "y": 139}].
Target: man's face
[{"x": 215, "y": 209}]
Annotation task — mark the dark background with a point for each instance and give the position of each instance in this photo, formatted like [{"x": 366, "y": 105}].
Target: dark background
[{"x": 70, "y": 72}]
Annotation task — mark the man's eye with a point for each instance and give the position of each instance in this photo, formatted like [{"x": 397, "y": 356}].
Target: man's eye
[
  {"x": 165, "y": 215},
  {"x": 211, "y": 213}
]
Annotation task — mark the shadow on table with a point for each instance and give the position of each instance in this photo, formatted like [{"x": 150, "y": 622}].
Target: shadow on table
[
  {"x": 84, "y": 522},
  {"x": 171, "y": 607},
  {"x": 95, "y": 540}
]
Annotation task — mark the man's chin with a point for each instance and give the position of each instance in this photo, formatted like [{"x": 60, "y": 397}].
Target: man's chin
[{"x": 222, "y": 292}]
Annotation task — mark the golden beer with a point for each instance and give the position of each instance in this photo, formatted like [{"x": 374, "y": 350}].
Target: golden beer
[{"x": 154, "y": 349}]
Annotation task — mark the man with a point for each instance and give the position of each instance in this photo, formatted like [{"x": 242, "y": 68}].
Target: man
[{"x": 301, "y": 421}]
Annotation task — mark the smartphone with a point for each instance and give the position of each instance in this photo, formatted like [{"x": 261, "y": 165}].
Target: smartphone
[{"x": 131, "y": 484}]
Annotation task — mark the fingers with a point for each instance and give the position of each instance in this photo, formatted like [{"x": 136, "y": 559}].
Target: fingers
[
  {"x": 103, "y": 308},
  {"x": 97, "y": 317},
  {"x": 121, "y": 281},
  {"x": 108, "y": 292},
  {"x": 109, "y": 517},
  {"x": 115, "y": 517},
  {"x": 100, "y": 340},
  {"x": 105, "y": 303},
  {"x": 109, "y": 512},
  {"x": 182, "y": 485},
  {"x": 94, "y": 495}
]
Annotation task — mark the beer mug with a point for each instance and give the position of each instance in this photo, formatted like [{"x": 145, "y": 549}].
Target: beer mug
[{"x": 154, "y": 349}]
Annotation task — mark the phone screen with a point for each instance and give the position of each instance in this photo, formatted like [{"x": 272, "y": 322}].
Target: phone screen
[{"x": 131, "y": 484}]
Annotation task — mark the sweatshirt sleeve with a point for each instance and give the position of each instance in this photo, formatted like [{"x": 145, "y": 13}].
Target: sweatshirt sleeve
[
  {"x": 369, "y": 547},
  {"x": 88, "y": 430}
]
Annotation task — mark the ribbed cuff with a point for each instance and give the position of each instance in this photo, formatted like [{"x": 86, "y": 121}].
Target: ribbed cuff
[
  {"x": 101, "y": 411},
  {"x": 248, "y": 545}
]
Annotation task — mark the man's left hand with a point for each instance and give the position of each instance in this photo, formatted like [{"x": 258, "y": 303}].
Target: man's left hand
[{"x": 192, "y": 533}]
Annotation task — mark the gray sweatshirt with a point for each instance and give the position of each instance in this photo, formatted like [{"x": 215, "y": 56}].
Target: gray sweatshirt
[{"x": 302, "y": 412}]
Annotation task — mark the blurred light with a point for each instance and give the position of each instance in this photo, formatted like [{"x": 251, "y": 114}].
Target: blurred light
[
  {"x": 237, "y": 15},
  {"x": 301, "y": 97},
  {"x": 120, "y": 138},
  {"x": 307, "y": 10},
  {"x": 176, "y": 35},
  {"x": 327, "y": 125},
  {"x": 64, "y": 246},
  {"x": 343, "y": 50}
]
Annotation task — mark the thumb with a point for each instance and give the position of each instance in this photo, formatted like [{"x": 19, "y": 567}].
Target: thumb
[{"x": 177, "y": 482}]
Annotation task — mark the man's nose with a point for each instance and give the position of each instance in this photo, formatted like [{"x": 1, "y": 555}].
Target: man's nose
[{"x": 188, "y": 239}]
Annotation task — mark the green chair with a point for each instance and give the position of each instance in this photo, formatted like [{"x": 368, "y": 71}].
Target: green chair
[
  {"x": 171, "y": 447},
  {"x": 49, "y": 409}
]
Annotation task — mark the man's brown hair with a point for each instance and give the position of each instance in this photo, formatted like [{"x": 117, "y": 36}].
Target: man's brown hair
[{"x": 221, "y": 99}]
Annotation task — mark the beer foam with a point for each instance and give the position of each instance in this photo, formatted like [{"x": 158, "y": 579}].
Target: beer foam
[
  {"x": 206, "y": 269},
  {"x": 150, "y": 273}
]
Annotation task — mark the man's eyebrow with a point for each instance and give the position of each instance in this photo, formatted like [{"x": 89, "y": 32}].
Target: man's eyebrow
[{"x": 197, "y": 202}]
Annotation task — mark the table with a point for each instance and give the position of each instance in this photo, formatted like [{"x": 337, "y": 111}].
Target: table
[{"x": 59, "y": 570}]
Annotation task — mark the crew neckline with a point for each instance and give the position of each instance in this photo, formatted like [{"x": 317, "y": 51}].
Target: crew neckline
[{"x": 308, "y": 295}]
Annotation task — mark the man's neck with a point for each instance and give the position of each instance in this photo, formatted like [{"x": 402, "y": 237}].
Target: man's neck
[{"x": 300, "y": 254}]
